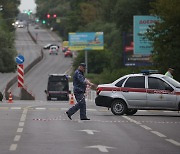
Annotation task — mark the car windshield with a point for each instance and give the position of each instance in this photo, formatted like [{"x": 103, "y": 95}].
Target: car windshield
[
  {"x": 58, "y": 86},
  {"x": 172, "y": 81}
]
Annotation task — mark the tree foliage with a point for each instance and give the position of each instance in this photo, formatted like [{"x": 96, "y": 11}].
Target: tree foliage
[
  {"x": 166, "y": 35},
  {"x": 114, "y": 17},
  {"x": 7, "y": 50}
]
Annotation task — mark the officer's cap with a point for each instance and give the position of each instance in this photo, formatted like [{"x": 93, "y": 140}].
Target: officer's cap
[{"x": 83, "y": 65}]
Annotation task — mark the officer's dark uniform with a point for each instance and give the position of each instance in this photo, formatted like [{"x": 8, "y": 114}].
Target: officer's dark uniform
[{"x": 79, "y": 89}]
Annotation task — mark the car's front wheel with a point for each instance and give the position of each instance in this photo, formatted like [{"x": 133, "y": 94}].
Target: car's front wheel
[
  {"x": 118, "y": 107},
  {"x": 131, "y": 111}
]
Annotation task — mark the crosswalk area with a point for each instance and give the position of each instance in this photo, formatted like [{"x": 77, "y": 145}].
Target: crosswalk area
[{"x": 66, "y": 108}]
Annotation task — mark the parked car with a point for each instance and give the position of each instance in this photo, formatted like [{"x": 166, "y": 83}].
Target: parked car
[
  {"x": 68, "y": 53},
  {"x": 53, "y": 50},
  {"x": 134, "y": 92},
  {"x": 49, "y": 45}
]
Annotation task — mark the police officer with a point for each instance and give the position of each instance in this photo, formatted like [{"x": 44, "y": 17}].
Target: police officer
[
  {"x": 79, "y": 84},
  {"x": 170, "y": 72}
]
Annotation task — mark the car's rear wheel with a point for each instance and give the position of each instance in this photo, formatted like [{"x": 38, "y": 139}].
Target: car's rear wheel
[
  {"x": 118, "y": 107},
  {"x": 131, "y": 111}
]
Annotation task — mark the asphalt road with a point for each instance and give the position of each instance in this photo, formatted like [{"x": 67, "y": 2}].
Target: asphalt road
[
  {"x": 36, "y": 79},
  {"x": 42, "y": 127}
]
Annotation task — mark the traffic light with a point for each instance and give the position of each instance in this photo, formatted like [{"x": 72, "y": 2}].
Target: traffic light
[
  {"x": 48, "y": 16},
  {"x": 44, "y": 21},
  {"x": 54, "y": 15},
  {"x": 37, "y": 20}
]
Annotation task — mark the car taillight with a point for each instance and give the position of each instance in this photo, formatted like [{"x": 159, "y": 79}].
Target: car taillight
[{"x": 98, "y": 90}]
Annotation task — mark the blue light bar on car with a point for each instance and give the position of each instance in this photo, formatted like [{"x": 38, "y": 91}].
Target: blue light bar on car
[{"x": 147, "y": 72}]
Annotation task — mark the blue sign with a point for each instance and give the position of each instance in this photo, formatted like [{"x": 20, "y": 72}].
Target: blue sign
[
  {"x": 20, "y": 59},
  {"x": 142, "y": 45}
]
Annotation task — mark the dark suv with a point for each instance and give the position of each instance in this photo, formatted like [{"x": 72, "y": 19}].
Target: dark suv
[{"x": 58, "y": 87}]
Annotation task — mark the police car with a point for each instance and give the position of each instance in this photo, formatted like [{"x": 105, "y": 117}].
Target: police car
[{"x": 144, "y": 91}]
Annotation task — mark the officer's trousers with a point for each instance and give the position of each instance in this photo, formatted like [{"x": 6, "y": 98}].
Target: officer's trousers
[{"x": 81, "y": 104}]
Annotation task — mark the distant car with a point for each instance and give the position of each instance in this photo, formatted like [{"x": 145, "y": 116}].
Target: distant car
[
  {"x": 53, "y": 50},
  {"x": 143, "y": 91},
  {"x": 49, "y": 45},
  {"x": 68, "y": 53},
  {"x": 64, "y": 49},
  {"x": 36, "y": 27},
  {"x": 20, "y": 26}
]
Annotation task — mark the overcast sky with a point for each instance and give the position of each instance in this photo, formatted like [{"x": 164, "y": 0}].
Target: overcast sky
[{"x": 27, "y": 5}]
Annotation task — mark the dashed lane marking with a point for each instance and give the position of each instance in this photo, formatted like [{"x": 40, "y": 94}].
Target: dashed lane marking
[
  {"x": 13, "y": 147},
  {"x": 40, "y": 108},
  {"x": 17, "y": 138},
  {"x": 21, "y": 124},
  {"x": 152, "y": 131},
  {"x": 16, "y": 108},
  {"x": 103, "y": 121},
  {"x": 19, "y": 130},
  {"x": 158, "y": 134},
  {"x": 173, "y": 142},
  {"x": 146, "y": 127}
]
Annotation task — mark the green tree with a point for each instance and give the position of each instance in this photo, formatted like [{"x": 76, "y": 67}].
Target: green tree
[
  {"x": 166, "y": 35},
  {"x": 7, "y": 50}
]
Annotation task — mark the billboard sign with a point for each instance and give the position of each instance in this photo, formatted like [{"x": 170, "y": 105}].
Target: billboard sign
[
  {"x": 142, "y": 45},
  {"x": 131, "y": 59},
  {"x": 86, "y": 41}
]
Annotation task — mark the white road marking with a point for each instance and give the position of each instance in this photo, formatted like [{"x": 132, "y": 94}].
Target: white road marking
[
  {"x": 23, "y": 117},
  {"x": 21, "y": 124},
  {"x": 16, "y": 108},
  {"x": 146, "y": 127},
  {"x": 131, "y": 120},
  {"x": 25, "y": 111},
  {"x": 101, "y": 148},
  {"x": 40, "y": 108},
  {"x": 13, "y": 147},
  {"x": 17, "y": 138},
  {"x": 158, "y": 134},
  {"x": 154, "y": 132},
  {"x": 173, "y": 142},
  {"x": 90, "y": 132},
  {"x": 19, "y": 130},
  {"x": 64, "y": 109}
]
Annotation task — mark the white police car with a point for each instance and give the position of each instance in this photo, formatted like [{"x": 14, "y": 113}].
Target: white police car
[{"x": 141, "y": 91}]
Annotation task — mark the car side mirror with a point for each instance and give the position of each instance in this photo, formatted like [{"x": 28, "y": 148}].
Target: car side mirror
[{"x": 45, "y": 91}]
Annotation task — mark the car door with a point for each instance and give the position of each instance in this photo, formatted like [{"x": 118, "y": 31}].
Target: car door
[
  {"x": 160, "y": 94},
  {"x": 134, "y": 91}
]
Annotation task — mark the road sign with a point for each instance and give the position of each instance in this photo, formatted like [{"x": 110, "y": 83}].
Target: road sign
[
  {"x": 20, "y": 59},
  {"x": 20, "y": 75}
]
